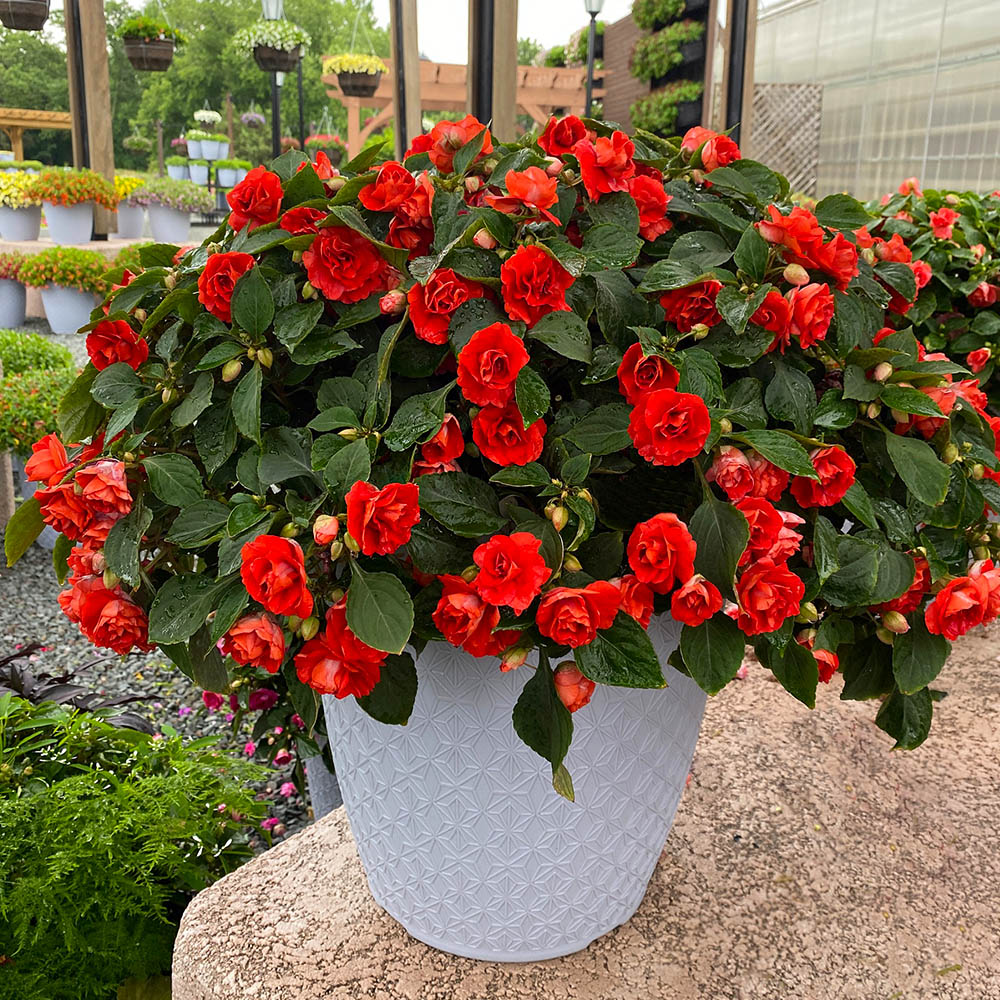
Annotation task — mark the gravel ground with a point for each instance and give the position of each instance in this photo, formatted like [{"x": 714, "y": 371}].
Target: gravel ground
[{"x": 29, "y": 613}]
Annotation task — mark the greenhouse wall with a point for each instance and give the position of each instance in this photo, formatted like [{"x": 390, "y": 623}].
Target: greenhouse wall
[{"x": 910, "y": 87}]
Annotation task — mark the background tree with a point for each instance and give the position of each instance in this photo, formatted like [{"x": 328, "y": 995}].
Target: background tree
[{"x": 527, "y": 50}]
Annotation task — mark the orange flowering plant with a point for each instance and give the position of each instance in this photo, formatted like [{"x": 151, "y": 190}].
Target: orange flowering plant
[
  {"x": 71, "y": 187},
  {"x": 69, "y": 267},
  {"x": 521, "y": 398}
]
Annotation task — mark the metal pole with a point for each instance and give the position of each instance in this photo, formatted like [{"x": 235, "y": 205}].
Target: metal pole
[
  {"x": 302, "y": 120},
  {"x": 481, "y": 72},
  {"x": 399, "y": 71},
  {"x": 737, "y": 68},
  {"x": 76, "y": 41},
  {"x": 591, "y": 45},
  {"x": 275, "y": 116}
]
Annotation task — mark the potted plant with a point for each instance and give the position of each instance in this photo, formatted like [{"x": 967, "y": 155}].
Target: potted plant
[
  {"x": 358, "y": 75},
  {"x": 179, "y": 144},
  {"x": 208, "y": 118},
  {"x": 194, "y": 137},
  {"x": 149, "y": 44},
  {"x": 12, "y": 295},
  {"x": 674, "y": 107},
  {"x": 677, "y": 448},
  {"x": 21, "y": 166},
  {"x": 198, "y": 170},
  {"x": 68, "y": 198},
  {"x": 131, "y": 213},
  {"x": 242, "y": 169},
  {"x": 24, "y": 15},
  {"x": 177, "y": 167},
  {"x": 276, "y": 46},
  {"x": 328, "y": 143},
  {"x": 137, "y": 143},
  {"x": 20, "y": 212},
  {"x": 170, "y": 204},
  {"x": 227, "y": 173},
  {"x": 68, "y": 278},
  {"x": 674, "y": 49}
]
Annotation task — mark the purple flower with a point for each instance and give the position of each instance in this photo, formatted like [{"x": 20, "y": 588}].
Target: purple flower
[{"x": 184, "y": 710}]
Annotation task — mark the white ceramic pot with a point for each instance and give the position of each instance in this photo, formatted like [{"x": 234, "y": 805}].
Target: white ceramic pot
[
  {"x": 12, "y": 303},
  {"x": 463, "y": 839},
  {"x": 194, "y": 149},
  {"x": 226, "y": 176},
  {"x": 210, "y": 149},
  {"x": 67, "y": 309},
  {"x": 20, "y": 223},
  {"x": 199, "y": 173},
  {"x": 223, "y": 151},
  {"x": 240, "y": 174},
  {"x": 169, "y": 225},
  {"x": 177, "y": 171},
  {"x": 131, "y": 221},
  {"x": 70, "y": 224}
]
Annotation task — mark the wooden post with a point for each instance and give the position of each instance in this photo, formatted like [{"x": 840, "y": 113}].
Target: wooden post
[
  {"x": 6, "y": 482},
  {"x": 229, "y": 122},
  {"x": 504, "y": 69},
  {"x": 16, "y": 135},
  {"x": 352, "y": 105},
  {"x": 406, "y": 73},
  {"x": 159, "y": 146}
]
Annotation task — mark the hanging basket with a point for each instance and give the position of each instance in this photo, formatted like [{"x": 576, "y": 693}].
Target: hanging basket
[
  {"x": 273, "y": 60},
  {"x": 24, "y": 15},
  {"x": 150, "y": 54},
  {"x": 358, "y": 84}
]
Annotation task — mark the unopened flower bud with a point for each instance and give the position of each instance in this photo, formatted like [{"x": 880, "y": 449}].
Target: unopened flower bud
[
  {"x": 334, "y": 184},
  {"x": 573, "y": 688},
  {"x": 725, "y": 425},
  {"x": 167, "y": 395},
  {"x": 868, "y": 255},
  {"x": 951, "y": 199},
  {"x": 294, "y": 623},
  {"x": 873, "y": 409},
  {"x": 325, "y": 529},
  {"x": 700, "y": 331},
  {"x": 895, "y": 622},
  {"x": 336, "y": 549},
  {"x": 569, "y": 175},
  {"x": 309, "y": 628},
  {"x": 308, "y": 292},
  {"x": 470, "y": 573},
  {"x": 585, "y": 494},
  {"x": 485, "y": 240},
  {"x": 571, "y": 563},
  {"x": 296, "y": 256},
  {"x": 553, "y": 166},
  {"x": 266, "y": 357},
  {"x": 796, "y": 274},
  {"x": 231, "y": 370},
  {"x": 252, "y": 353},
  {"x": 392, "y": 303},
  {"x": 807, "y": 612},
  {"x": 110, "y": 579},
  {"x": 806, "y": 636},
  {"x": 140, "y": 315},
  {"x": 949, "y": 454},
  {"x": 129, "y": 456},
  {"x": 514, "y": 657},
  {"x": 351, "y": 543},
  {"x": 336, "y": 595},
  {"x": 981, "y": 552},
  {"x": 882, "y": 371},
  {"x": 558, "y": 515},
  {"x": 884, "y": 635},
  {"x": 97, "y": 561},
  {"x": 290, "y": 530},
  {"x": 473, "y": 184},
  {"x": 978, "y": 470},
  {"x": 170, "y": 280},
  {"x": 899, "y": 416},
  {"x": 349, "y": 433}
]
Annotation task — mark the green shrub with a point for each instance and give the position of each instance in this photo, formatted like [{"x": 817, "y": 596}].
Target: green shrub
[
  {"x": 25, "y": 352},
  {"x": 649, "y": 14},
  {"x": 29, "y": 402},
  {"x": 656, "y": 55},
  {"x": 21, "y": 165},
  {"x": 556, "y": 56},
  {"x": 105, "y": 835},
  {"x": 658, "y": 112},
  {"x": 583, "y": 42}
]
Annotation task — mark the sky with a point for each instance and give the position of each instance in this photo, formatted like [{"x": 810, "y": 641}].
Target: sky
[{"x": 442, "y": 25}]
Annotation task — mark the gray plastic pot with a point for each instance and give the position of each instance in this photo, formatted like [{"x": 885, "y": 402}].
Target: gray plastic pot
[
  {"x": 461, "y": 835},
  {"x": 12, "y": 303},
  {"x": 69, "y": 224},
  {"x": 67, "y": 309},
  {"x": 131, "y": 221},
  {"x": 169, "y": 225},
  {"x": 20, "y": 223}
]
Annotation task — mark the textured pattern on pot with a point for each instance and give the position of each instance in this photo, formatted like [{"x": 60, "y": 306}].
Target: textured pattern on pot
[
  {"x": 69, "y": 224},
  {"x": 12, "y": 303},
  {"x": 20, "y": 223},
  {"x": 461, "y": 836},
  {"x": 169, "y": 225},
  {"x": 67, "y": 309}
]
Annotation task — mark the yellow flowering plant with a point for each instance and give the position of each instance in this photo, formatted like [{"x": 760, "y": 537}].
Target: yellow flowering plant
[{"x": 353, "y": 62}]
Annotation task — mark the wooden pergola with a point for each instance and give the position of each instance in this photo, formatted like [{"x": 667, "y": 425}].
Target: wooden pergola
[
  {"x": 540, "y": 91},
  {"x": 14, "y": 121}
]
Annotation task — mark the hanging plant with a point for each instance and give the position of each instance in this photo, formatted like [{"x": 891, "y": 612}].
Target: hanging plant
[
  {"x": 24, "y": 15},
  {"x": 358, "y": 75},
  {"x": 276, "y": 46},
  {"x": 137, "y": 143},
  {"x": 149, "y": 44}
]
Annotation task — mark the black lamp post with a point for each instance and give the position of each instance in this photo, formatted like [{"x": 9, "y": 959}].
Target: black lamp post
[
  {"x": 274, "y": 10},
  {"x": 593, "y": 8}
]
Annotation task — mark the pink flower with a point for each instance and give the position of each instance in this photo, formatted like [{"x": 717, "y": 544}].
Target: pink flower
[
  {"x": 270, "y": 823},
  {"x": 211, "y": 700},
  {"x": 288, "y": 789},
  {"x": 250, "y": 748},
  {"x": 184, "y": 710},
  {"x": 282, "y": 758}
]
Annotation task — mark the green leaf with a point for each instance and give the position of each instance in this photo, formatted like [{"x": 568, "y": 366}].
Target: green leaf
[
  {"x": 284, "y": 455},
  {"x": 379, "y": 610},
  {"x": 713, "y": 652},
  {"x": 701, "y": 250},
  {"x": 899, "y": 277},
  {"x": 174, "y": 478},
  {"x": 622, "y": 655},
  {"x": 545, "y": 724},
  {"x": 215, "y": 437},
  {"x": 841, "y": 211},
  {"x": 252, "y": 305},
  {"x": 60, "y": 557},
  {"x": 532, "y": 395},
  {"x": 323, "y": 344},
  {"x": 781, "y": 450},
  {"x": 466, "y": 155},
  {"x": 565, "y": 333},
  {"x": 857, "y": 501},
  {"x": 121, "y": 549},
  {"x": 195, "y": 402},
  {"x": 854, "y": 582},
  {"x": 918, "y": 656},
  {"x": 22, "y": 529},
  {"x": 603, "y": 431},
  {"x": 867, "y": 670},
  {"x": 79, "y": 415},
  {"x": 796, "y": 669},
  {"x": 334, "y": 418},
  {"x": 391, "y": 700},
  {"x": 910, "y": 401},
  {"x": 295, "y": 322},
  {"x": 116, "y": 385},
  {"x": 751, "y": 254},
  {"x": 745, "y": 403},
  {"x": 243, "y": 517},
  {"x": 437, "y": 551},
  {"x": 790, "y": 396},
  {"x": 462, "y": 503},
  {"x": 825, "y": 558},
  {"x": 246, "y": 403},
  {"x": 348, "y": 466},
  {"x": 532, "y": 474},
  {"x": 302, "y": 186},
  {"x": 699, "y": 374},
  {"x": 610, "y": 246},
  {"x": 895, "y": 575},
  {"x": 835, "y": 412},
  {"x": 199, "y": 524},
  {"x": 906, "y": 718},
  {"x": 667, "y": 275},
  {"x": 419, "y": 418},
  {"x": 737, "y": 308},
  {"x": 575, "y": 470},
  {"x": 721, "y": 533},
  {"x": 181, "y": 607},
  {"x": 924, "y": 474}
]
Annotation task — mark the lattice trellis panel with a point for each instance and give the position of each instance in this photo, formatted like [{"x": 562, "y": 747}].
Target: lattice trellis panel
[{"x": 786, "y": 128}]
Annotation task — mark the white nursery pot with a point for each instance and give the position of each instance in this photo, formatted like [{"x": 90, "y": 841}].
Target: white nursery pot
[
  {"x": 241, "y": 173},
  {"x": 13, "y": 297},
  {"x": 70, "y": 224},
  {"x": 461, "y": 834},
  {"x": 20, "y": 223},
  {"x": 194, "y": 149},
  {"x": 210, "y": 149},
  {"x": 199, "y": 173},
  {"x": 222, "y": 151},
  {"x": 177, "y": 171},
  {"x": 131, "y": 220},
  {"x": 226, "y": 176},
  {"x": 67, "y": 309},
  {"x": 169, "y": 225}
]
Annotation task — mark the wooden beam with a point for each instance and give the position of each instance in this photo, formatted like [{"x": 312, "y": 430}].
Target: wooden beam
[
  {"x": 403, "y": 23},
  {"x": 505, "y": 69},
  {"x": 94, "y": 32}
]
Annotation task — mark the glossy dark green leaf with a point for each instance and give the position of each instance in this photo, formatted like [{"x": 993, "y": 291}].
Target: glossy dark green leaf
[
  {"x": 622, "y": 655},
  {"x": 174, "y": 478},
  {"x": 721, "y": 533},
  {"x": 252, "y": 304},
  {"x": 379, "y": 610},
  {"x": 391, "y": 700},
  {"x": 713, "y": 652}
]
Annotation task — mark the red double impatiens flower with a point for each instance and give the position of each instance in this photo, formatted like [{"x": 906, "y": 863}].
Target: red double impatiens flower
[
  {"x": 256, "y": 199},
  {"x": 217, "y": 282},
  {"x": 392, "y": 186},
  {"x": 113, "y": 341},
  {"x": 767, "y": 593},
  {"x": 606, "y": 163},
  {"x": 255, "y": 641},
  {"x": 447, "y": 138},
  {"x": 106, "y": 616},
  {"x": 48, "y": 462},
  {"x": 499, "y": 433},
  {"x": 337, "y": 662},
  {"x": 695, "y": 602},
  {"x": 530, "y": 189},
  {"x": 661, "y": 552},
  {"x": 432, "y": 305},
  {"x": 716, "y": 150},
  {"x": 669, "y": 427},
  {"x": 694, "y": 304},
  {"x": 446, "y": 445},
  {"x": 466, "y": 620},
  {"x": 534, "y": 284},
  {"x": 835, "y": 469},
  {"x": 274, "y": 572},
  {"x": 488, "y": 365},
  {"x": 958, "y": 606},
  {"x": 636, "y": 598},
  {"x": 572, "y": 616},
  {"x": 301, "y": 219},
  {"x": 344, "y": 266},
  {"x": 812, "y": 313},
  {"x": 511, "y": 570},
  {"x": 641, "y": 373},
  {"x": 561, "y": 135},
  {"x": 651, "y": 200},
  {"x": 574, "y": 690},
  {"x": 379, "y": 520}
]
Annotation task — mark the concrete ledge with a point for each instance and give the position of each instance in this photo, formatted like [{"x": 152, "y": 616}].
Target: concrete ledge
[{"x": 806, "y": 863}]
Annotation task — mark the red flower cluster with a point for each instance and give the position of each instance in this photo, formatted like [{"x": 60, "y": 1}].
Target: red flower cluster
[
  {"x": 85, "y": 506},
  {"x": 534, "y": 284},
  {"x": 344, "y": 266},
  {"x": 217, "y": 282},
  {"x": 379, "y": 520},
  {"x": 466, "y": 620},
  {"x": 106, "y": 616},
  {"x": 337, "y": 662},
  {"x": 256, "y": 200},
  {"x": 803, "y": 242},
  {"x": 965, "y": 602},
  {"x": 255, "y": 641},
  {"x": 113, "y": 341},
  {"x": 432, "y": 305},
  {"x": 274, "y": 573}
]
